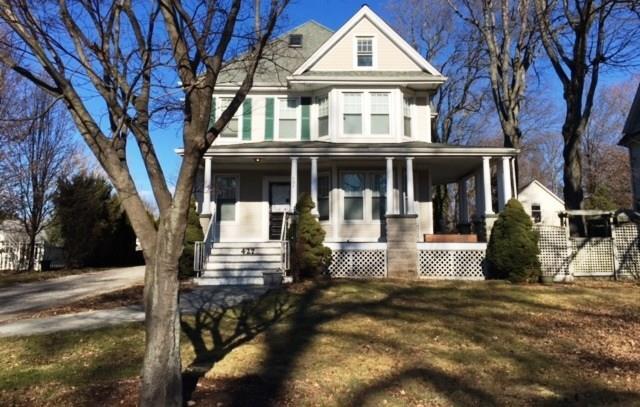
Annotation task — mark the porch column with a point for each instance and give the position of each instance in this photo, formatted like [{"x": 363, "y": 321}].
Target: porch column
[
  {"x": 294, "y": 183},
  {"x": 429, "y": 204},
  {"x": 504, "y": 182},
  {"x": 477, "y": 178},
  {"x": 206, "y": 194},
  {"x": 410, "y": 197},
  {"x": 389, "y": 182},
  {"x": 486, "y": 186},
  {"x": 463, "y": 203},
  {"x": 514, "y": 178},
  {"x": 314, "y": 184}
]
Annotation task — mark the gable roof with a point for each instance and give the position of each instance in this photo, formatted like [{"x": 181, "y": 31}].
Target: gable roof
[
  {"x": 632, "y": 125},
  {"x": 539, "y": 184},
  {"x": 366, "y": 12},
  {"x": 279, "y": 60}
]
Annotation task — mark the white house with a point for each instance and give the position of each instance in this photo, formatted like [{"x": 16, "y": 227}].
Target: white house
[
  {"x": 346, "y": 117},
  {"x": 541, "y": 203},
  {"x": 631, "y": 140}
]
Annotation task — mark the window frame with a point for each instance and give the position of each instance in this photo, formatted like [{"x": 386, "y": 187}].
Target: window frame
[
  {"x": 237, "y": 116},
  {"x": 407, "y": 104},
  {"x": 276, "y": 118},
  {"x": 539, "y": 211},
  {"x": 371, "y": 113},
  {"x": 343, "y": 113},
  {"x": 329, "y": 198},
  {"x": 367, "y": 195},
  {"x": 344, "y": 196},
  {"x": 374, "y": 48},
  {"x": 237, "y": 197},
  {"x": 318, "y": 116}
]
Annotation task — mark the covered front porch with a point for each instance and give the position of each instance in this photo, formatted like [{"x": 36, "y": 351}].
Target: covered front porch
[{"x": 247, "y": 188}]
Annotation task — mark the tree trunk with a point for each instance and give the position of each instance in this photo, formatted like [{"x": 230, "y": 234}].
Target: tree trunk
[
  {"x": 572, "y": 174},
  {"x": 31, "y": 259},
  {"x": 162, "y": 368}
]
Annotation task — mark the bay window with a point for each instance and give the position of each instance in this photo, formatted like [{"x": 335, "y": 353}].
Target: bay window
[
  {"x": 288, "y": 118},
  {"x": 379, "y": 113},
  {"x": 406, "y": 109},
  {"x": 353, "y": 184},
  {"x": 323, "y": 115},
  {"x": 352, "y": 113},
  {"x": 226, "y": 190}
]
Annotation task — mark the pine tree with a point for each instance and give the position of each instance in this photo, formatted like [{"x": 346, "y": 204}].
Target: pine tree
[
  {"x": 192, "y": 234},
  {"x": 512, "y": 252},
  {"x": 310, "y": 257}
]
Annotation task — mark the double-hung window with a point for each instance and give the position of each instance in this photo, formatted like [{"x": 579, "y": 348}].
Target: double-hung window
[
  {"x": 226, "y": 189},
  {"x": 364, "y": 52},
  {"x": 406, "y": 112},
  {"x": 323, "y": 115},
  {"x": 288, "y": 118},
  {"x": 378, "y": 196},
  {"x": 352, "y": 121},
  {"x": 353, "y": 185},
  {"x": 379, "y": 113},
  {"x": 536, "y": 213},
  {"x": 324, "y": 188},
  {"x": 231, "y": 130}
]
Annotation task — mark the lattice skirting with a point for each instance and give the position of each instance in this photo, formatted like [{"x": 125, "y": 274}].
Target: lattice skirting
[
  {"x": 592, "y": 256},
  {"x": 627, "y": 241},
  {"x": 452, "y": 264},
  {"x": 366, "y": 263},
  {"x": 552, "y": 241}
]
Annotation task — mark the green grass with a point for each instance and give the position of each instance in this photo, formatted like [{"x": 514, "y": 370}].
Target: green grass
[{"x": 364, "y": 343}]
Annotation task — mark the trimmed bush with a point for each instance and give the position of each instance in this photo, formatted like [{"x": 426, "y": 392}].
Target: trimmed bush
[
  {"x": 192, "y": 234},
  {"x": 310, "y": 257},
  {"x": 512, "y": 253}
]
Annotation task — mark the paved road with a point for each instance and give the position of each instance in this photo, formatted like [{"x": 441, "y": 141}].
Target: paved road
[
  {"x": 200, "y": 299},
  {"x": 21, "y": 298}
]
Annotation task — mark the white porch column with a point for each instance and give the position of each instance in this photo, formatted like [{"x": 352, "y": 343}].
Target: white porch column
[
  {"x": 314, "y": 184},
  {"x": 463, "y": 203},
  {"x": 294, "y": 183},
  {"x": 429, "y": 204},
  {"x": 206, "y": 191},
  {"x": 514, "y": 178},
  {"x": 479, "y": 191},
  {"x": 410, "y": 190},
  {"x": 389, "y": 182},
  {"x": 486, "y": 186},
  {"x": 504, "y": 182}
]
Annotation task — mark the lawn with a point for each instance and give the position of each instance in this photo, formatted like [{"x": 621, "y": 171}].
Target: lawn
[{"x": 364, "y": 343}]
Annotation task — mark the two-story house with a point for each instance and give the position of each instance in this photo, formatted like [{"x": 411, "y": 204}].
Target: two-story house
[{"x": 346, "y": 117}]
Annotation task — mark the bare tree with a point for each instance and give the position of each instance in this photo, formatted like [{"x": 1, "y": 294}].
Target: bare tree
[
  {"x": 581, "y": 38},
  {"x": 128, "y": 55},
  {"x": 510, "y": 40},
  {"x": 34, "y": 162},
  {"x": 429, "y": 26}
]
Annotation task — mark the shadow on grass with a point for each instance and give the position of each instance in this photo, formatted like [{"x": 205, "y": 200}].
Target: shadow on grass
[{"x": 489, "y": 321}]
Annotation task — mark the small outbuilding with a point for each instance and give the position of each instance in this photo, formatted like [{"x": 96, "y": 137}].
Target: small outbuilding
[
  {"x": 631, "y": 140},
  {"x": 541, "y": 203}
]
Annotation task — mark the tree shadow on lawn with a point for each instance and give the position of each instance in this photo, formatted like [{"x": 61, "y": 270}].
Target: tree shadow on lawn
[{"x": 489, "y": 320}]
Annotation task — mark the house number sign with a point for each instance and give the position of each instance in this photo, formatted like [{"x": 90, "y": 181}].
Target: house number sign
[{"x": 248, "y": 250}]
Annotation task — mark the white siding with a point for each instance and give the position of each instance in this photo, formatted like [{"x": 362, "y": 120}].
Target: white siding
[{"x": 550, "y": 205}]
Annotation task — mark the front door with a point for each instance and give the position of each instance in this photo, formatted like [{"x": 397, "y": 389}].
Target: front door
[{"x": 279, "y": 199}]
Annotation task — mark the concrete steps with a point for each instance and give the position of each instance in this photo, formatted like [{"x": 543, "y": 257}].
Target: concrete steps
[{"x": 242, "y": 263}]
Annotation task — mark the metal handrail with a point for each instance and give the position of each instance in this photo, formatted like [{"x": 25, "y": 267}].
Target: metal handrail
[
  {"x": 202, "y": 249},
  {"x": 284, "y": 244}
]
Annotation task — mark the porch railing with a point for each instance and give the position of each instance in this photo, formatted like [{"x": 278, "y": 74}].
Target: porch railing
[
  {"x": 15, "y": 255},
  {"x": 285, "y": 246},
  {"x": 202, "y": 249}
]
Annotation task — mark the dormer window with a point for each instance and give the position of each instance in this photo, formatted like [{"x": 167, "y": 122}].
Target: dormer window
[
  {"x": 364, "y": 52},
  {"x": 295, "y": 40}
]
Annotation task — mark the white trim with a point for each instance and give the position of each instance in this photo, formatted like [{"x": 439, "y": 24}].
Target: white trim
[
  {"x": 451, "y": 246},
  {"x": 374, "y": 49},
  {"x": 266, "y": 180},
  {"x": 356, "y": 245},
  {"x": 365, "y": 11}
]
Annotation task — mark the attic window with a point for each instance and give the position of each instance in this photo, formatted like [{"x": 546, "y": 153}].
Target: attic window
[
  {"x": 364, "y": 52},
  {"x": 295, "y": 40}
]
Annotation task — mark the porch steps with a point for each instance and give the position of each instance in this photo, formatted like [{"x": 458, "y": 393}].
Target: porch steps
[{"x": 241, "y": 263}]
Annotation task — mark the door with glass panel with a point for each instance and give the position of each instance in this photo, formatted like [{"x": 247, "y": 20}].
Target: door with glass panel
[{"x": 279, "y": 203}]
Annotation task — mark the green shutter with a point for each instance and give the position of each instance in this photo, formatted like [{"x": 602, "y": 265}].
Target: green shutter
[
  {"x": 212, "y": 115},
  {"x": 268, "y": 125},
  {"x": 305, "y": 130},
  {"x": 246, "y": 119}
]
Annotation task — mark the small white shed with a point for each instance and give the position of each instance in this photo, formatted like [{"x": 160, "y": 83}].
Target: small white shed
[{"x": 540, "y": 203}]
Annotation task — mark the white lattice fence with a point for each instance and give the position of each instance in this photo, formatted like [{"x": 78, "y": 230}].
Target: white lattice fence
[
  {"x": 358, "y": 263},
  {"x": 452, "y": 261},
  {"x": 627, "y": 241},
  {"x": 592, "y": 256},
  {"x": 554, "y": 250}
]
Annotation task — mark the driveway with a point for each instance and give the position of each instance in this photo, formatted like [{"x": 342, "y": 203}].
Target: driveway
[{"x": 21, "y": 298}]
